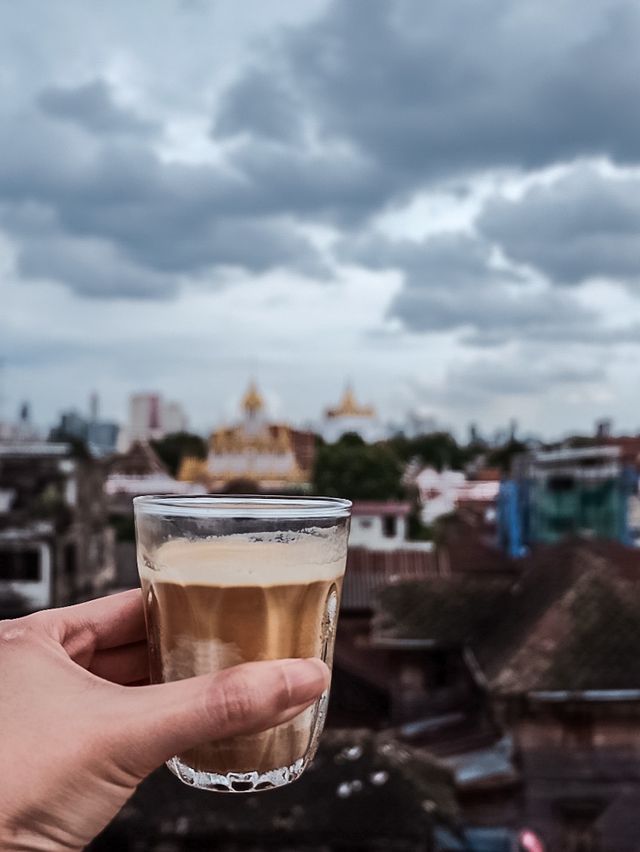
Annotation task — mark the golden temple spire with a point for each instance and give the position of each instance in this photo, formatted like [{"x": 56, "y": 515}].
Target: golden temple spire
[
  {"x": 349, "y": 407},
  {"x": 252, "y": 401}
]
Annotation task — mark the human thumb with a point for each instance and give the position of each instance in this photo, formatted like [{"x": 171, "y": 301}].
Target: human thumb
[{"x": 157, "y": 722}]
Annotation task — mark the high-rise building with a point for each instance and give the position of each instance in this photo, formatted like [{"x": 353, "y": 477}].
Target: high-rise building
[
  {"x": 151, "y": 417},
  {"x": 174, "y": 418},
  {"x": 100, "y": 436}
]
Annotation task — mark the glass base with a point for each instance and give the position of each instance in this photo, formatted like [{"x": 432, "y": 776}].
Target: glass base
[{"x": 237, "y": 782}]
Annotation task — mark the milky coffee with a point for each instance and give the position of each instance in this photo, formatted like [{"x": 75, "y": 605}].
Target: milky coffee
[{"x": 211, "y": 604}]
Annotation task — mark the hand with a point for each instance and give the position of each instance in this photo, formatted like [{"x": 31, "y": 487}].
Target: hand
[{"x": 78, "y": 732}]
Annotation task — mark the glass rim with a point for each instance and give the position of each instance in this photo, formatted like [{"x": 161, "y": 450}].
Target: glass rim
[{"x": 240, "y": 506}]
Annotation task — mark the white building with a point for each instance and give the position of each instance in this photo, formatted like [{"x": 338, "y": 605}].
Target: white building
[
  {"x": 379, "y": 525},
  {"x": 151, "y": 417},
  {"x": 438, "y": 492},
  {"x": 382, "y": 525},
  {"x": 441, "y": 492}
]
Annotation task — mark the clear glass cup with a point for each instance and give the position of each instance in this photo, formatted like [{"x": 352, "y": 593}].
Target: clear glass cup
[{"x": 227, "y": 580}]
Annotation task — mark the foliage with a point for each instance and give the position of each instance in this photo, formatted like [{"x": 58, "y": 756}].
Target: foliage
[
  {"x": 417, "y": 531},
  {"x": 172, "y": 448},
  {"x": 436, "y": 449},
  {"x": 358, "y": 471},
  {"x": 502, "y": 457}
]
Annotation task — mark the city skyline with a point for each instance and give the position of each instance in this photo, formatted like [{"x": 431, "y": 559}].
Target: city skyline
[{"x": 189, "y": 198}]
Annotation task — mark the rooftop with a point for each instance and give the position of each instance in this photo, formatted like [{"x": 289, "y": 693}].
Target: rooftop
[
  {"x": 359, "y": 787},
  {"x": 381, "y": 507},
  {"x": 569, "y": 622},
  {"x": 33, "y": 448},
  {"x": 370, "y": 571}
]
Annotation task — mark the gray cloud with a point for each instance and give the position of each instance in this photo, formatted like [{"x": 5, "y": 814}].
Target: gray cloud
[
  {"x": 275, "y": 112},
  {"x": 456, "y": 88},
  {"x": 450, "y": 283},
  {"x": 583, "y": 225},
  {"x": 331, "y": 122},
  {"x": 148, "y": 218},
  {"x": 91, "y": 267},
  {"x": 490, "y": 376},
  {"x": 92, "y": 106}
]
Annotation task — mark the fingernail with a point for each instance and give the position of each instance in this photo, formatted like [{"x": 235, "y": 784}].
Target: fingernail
[{"x": 306, "y": 679}]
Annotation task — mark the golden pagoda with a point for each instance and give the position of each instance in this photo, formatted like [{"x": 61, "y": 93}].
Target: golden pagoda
[
  {"x": 348, "y": 407},
  {"x": 272, "y": 455}
]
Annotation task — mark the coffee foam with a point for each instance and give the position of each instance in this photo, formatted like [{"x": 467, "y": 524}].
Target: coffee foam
[{"x": 242, "y": 560}]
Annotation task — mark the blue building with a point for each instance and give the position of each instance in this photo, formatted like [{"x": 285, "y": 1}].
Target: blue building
[{"x": 554, "y": 494}]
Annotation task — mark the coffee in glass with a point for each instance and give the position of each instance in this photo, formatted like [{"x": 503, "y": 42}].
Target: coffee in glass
[{"x": 230, "y": 580}]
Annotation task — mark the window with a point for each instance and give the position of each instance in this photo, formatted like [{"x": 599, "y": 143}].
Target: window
[
  {"x": 21, "y": 565},
  {"x": 389, "y": 526},
  {"x": 365, "y": 523},
  {"x": 560, "y": 483}
]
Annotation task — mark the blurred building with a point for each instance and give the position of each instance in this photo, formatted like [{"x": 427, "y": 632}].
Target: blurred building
[
  {"x": 137, "y": 472},
  {"x": 349, "y": 416},
  {"x": 20, "y": 429},
  {"x": 557, "y": 493},
  {"x": 273, "y": 456},
  {"x": 381, "y": 555},
  {"x": 547, "y": 739},
  {"x": 151, "y": 417},
  {"x": 99, "y": 436},
  {"x": 55, "y": 544},
  {"x": 379, "y": 525},
  {"x": 442, "y": 492}
]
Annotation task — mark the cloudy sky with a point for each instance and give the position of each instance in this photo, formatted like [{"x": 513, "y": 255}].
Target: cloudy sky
[{"x": 439, "y": 202}]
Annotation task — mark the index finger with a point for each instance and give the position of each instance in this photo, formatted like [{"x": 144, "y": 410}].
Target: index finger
[{"x": 110, "y": 621}]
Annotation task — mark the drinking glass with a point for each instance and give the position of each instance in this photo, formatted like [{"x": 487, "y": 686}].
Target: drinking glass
[{"x": 227, "y": 580}]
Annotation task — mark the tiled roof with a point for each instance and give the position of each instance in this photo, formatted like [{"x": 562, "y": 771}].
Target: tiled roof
[
  {"x": 451, "y": 611},
  {"x": 369, "y": 571},
  {"x": 569, "y": 622},
  {"x": 467, "y": 547},
  {"x": 381, "y": 507},
  {"x": 587, "y": 640},
  {"x": 140, "y": 460}
]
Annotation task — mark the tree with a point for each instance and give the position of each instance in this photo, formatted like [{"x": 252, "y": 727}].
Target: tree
[
  {"x": 437, "y": 449},
  {"x": 502, "y": 457},
  {"x": 357, "y": 471},
  {"x": 172, "y": 448}
]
